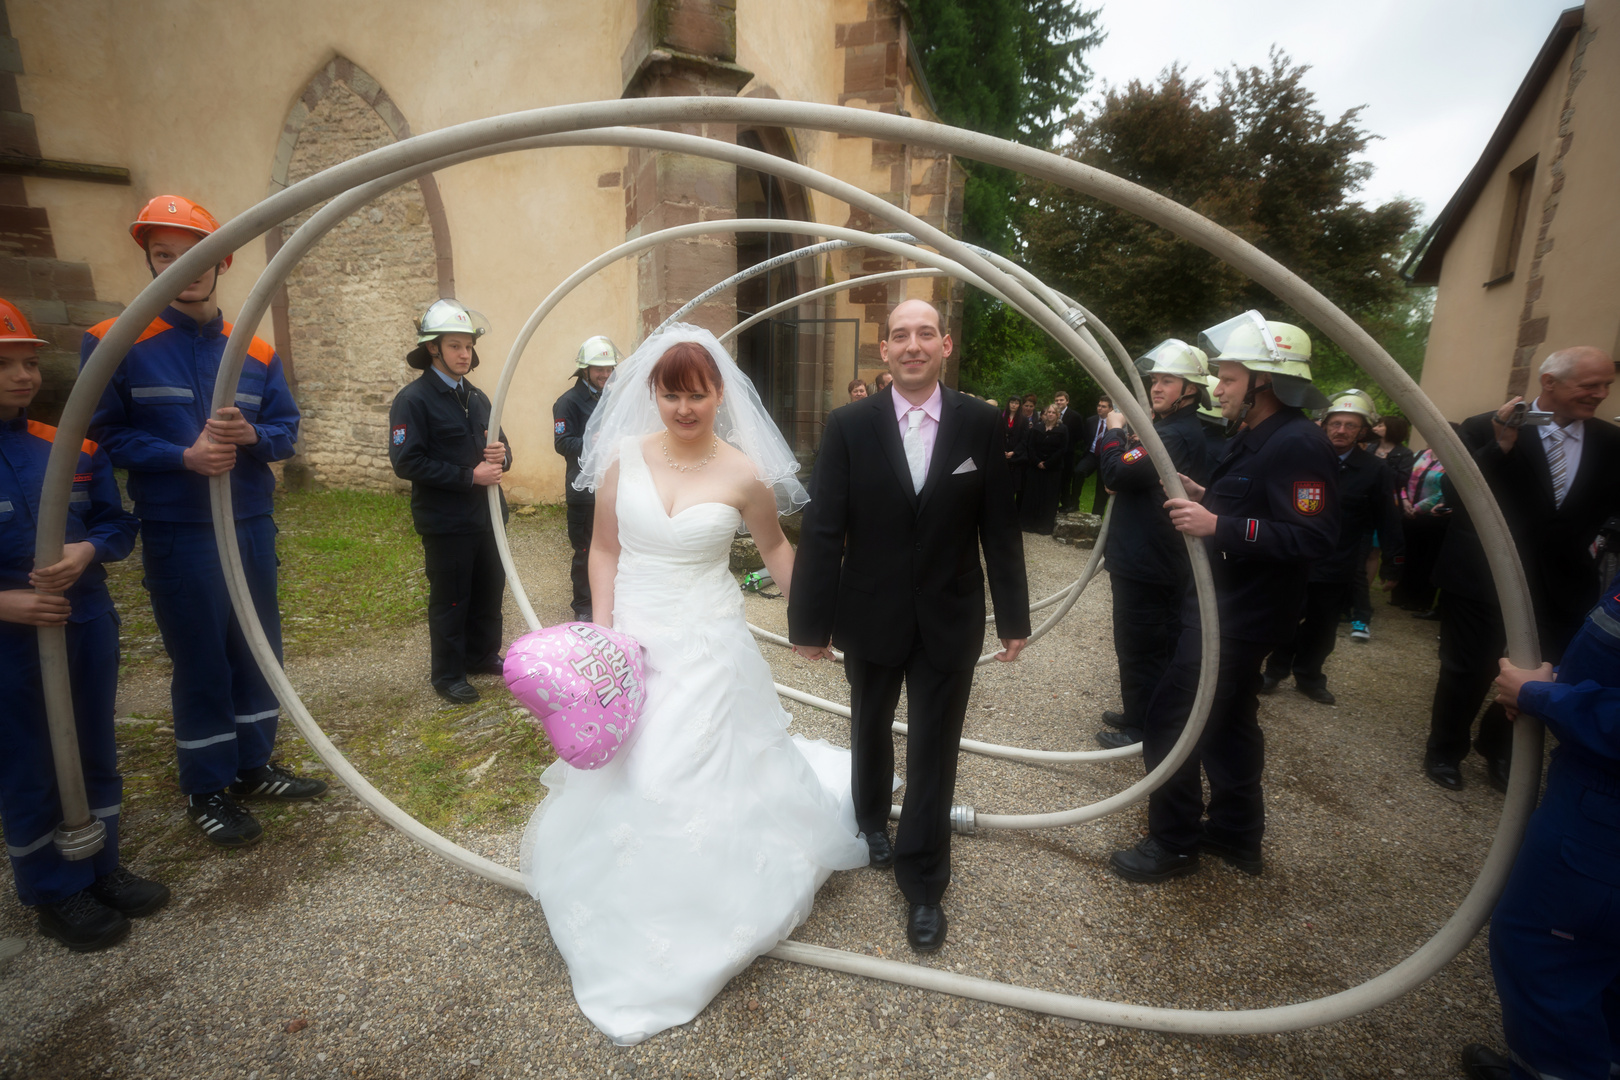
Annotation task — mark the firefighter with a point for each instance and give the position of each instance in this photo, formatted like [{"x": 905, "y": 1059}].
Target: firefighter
[
  {"x": 1367, "y": 503},
  {"x": 1148, "y": 566},
  {"x": 1270, "y": 508},
  {"x": 154, "y": 420},
  {"x": 85, "y": 904},
  {"x": 439, "y": 441},
  {"x": 595, "y": 361}
]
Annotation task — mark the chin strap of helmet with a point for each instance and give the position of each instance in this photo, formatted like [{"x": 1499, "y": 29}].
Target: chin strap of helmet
[{"x": 1232, "y": 426}]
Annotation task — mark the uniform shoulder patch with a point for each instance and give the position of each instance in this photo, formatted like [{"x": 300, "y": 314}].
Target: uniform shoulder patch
[
  {"x": 1308, "y": 497},
  {"x": 399, "y": 435},
  {"x": 560, "y": 427},
  {"x": 1135, "y": 455}
]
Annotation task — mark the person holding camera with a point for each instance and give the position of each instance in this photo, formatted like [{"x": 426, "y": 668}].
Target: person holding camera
[{"x": 1554, "y": 468}]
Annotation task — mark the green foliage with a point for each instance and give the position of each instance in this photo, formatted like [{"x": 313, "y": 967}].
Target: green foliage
[
  {"x": 1013, "y": 69},
  {"x": 1256, "y": 156}
]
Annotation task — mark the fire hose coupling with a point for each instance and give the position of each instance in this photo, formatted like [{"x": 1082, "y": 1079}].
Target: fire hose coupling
[
  {"x": 963, "y": 820},
  {"x": 1075, "y": 318},
  {"x": 82, "y": 841}
]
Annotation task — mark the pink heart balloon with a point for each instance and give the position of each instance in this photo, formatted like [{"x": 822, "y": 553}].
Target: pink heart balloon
[{"x": 585, "y": 683}]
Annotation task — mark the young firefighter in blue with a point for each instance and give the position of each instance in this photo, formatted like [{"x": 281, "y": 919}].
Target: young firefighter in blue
[
  {"x": 154, "y": 421},
  {"x": 85, "y": 904}
]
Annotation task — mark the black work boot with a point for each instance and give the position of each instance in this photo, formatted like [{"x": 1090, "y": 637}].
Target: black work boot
[
  {"x": 130, "y": 895},
  {"x": 275, "y": 781},
  {"x": 82, "y": 923},
  {"x": 222, "y": 821},
  {"x": 1150, "y": 863}
]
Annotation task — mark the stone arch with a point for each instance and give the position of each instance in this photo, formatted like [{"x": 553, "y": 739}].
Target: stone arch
[{"x": 342, "y": 322}]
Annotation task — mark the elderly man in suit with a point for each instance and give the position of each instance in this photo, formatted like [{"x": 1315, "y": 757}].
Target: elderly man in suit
[
  {"x": 888, "y": 570},
  {"x": 1556, "y": 482}
]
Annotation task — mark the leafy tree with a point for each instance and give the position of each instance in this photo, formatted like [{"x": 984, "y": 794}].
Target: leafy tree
[
  {"x": 1013, "y": 69},
  {"x": 1256, "y": 156}
]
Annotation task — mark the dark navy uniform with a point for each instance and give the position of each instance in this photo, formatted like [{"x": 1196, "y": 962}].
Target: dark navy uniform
[
  {"x": 1148, "y": 565},
  {"x": 1275, "y": 496},
  {"x": 568, "y": 419},
  {"x": 155, "y": 406},
  {"x": 1555, "y": 937},
  {"x": 28, "y": 796},
  {"x": 1367, "y": 503},
  {"x": 437, "y": 436}
]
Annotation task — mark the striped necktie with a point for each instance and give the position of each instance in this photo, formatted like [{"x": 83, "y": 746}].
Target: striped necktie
[{"x": 1557, "y": 465}]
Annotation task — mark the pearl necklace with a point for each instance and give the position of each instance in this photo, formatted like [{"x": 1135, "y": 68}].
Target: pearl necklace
[{"x": 672, "y": 463}]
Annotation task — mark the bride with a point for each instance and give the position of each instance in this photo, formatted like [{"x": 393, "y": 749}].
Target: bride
[{"x": 703, "y": 842}]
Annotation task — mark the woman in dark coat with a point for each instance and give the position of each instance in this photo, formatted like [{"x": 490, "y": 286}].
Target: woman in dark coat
[
  {"x": 1022, "y": 413},
  {"x": 1044, "y": 451}
]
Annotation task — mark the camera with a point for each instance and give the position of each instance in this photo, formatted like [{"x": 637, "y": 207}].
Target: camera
[{"x": 1524, "y": 416}]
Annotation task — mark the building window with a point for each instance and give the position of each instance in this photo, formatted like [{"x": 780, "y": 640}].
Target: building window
[{"x": 1515, "y": 215}]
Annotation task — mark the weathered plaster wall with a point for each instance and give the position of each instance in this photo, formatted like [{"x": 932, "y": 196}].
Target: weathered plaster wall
[{"x": 192, "y": 97}]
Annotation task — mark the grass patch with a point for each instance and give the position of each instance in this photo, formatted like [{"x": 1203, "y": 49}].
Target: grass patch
[
  {"x": 350, "y": 563},
  {"x": 473, "y": 766}
]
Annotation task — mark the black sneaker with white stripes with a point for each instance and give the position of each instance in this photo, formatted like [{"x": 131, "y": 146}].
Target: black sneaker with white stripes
[
  {"x": 273, "y": 781},
  {"x": 222, "y": 821}
]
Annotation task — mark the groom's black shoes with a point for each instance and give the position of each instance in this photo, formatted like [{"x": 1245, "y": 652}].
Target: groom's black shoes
[
  {"x": 925, "y": 928},
  {"x": 1150, "y": 863},
  {"x": 882, "y": 851}
]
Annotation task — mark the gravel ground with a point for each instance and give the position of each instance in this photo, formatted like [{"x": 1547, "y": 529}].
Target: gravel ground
[{"x": 338, "y": 949}]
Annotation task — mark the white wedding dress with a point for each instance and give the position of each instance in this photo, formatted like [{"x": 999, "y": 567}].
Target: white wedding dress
[{"x": 703, "y": 842}]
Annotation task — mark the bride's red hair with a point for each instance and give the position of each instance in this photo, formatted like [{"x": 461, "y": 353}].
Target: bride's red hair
[{"x": 688, "y": 368}]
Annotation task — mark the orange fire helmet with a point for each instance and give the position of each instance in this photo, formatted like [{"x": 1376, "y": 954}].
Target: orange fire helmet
[
  {"x": 14, "y": 328},
  {"x": 173, "y": 212}
]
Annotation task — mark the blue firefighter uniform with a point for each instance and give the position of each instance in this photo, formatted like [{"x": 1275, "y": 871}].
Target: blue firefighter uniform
[
  {"x": 28, "y": 797},
  {"x": 1275, "y": 495},
  {"x": 154, "y": 408},
  {"x": 569, "y": 416},
  {"x": 1148, "y": 565},
  {"x": 1555, "y": 935}
]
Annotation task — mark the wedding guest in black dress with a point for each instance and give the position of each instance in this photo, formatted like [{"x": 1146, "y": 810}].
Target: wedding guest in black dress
[
  {"x": 1021, "y": 415},
  {"x": 1045, "y": 450}
]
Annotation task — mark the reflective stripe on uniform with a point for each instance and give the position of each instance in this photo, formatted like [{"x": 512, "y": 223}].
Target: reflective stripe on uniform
[
  {"x": 254, "y": 400},
  {"x": 5, "y": 506},
  {"x": 161, "y": 393},
  {"x": 1605, "y": 622},
  {"x": 19, "y": 852},
  {"x": 79, "y": 497},
  {"x": 268, "y": 714},
  {"x": 198, "y": 744},
  {"x": 108, "y": 811}
]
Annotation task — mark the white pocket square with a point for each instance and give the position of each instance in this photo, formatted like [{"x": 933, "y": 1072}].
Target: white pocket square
[{"x": 966, "y": 467}]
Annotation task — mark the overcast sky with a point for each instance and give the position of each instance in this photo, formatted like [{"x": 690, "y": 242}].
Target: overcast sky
[{"x": 1435, "y": 75}]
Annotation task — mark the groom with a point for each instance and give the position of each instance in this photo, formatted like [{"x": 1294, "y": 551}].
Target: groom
[{"x": 909, "y": 484}]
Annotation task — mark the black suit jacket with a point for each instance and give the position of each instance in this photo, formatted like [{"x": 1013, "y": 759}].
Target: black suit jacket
[
  {"x": 880, "y": 567},
  {"x": 1554, "y": 542},
  {"x": 1085, "y": 433}
]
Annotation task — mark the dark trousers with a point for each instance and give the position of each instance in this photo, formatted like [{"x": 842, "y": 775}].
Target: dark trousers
[
  {"x": 1147, "y": 623},
  {"x": 225, "y": 714},
  {"x": 1472, "y": 640},
  {"x": 1081, "y": 465},
  {"x": 1360, "y": 601},
  {"x": 1424, "y": 534},
  {"x": 1555, "y": 941},
  {"x": 29, "y": 803},
  {"x": 581, "y": 523},
  {"x": 936, "y": 702},
  {"x": 465, "y": 585},
  {"x": 1314, "y": 638},
  {"x": 1231, "y": 751}
]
